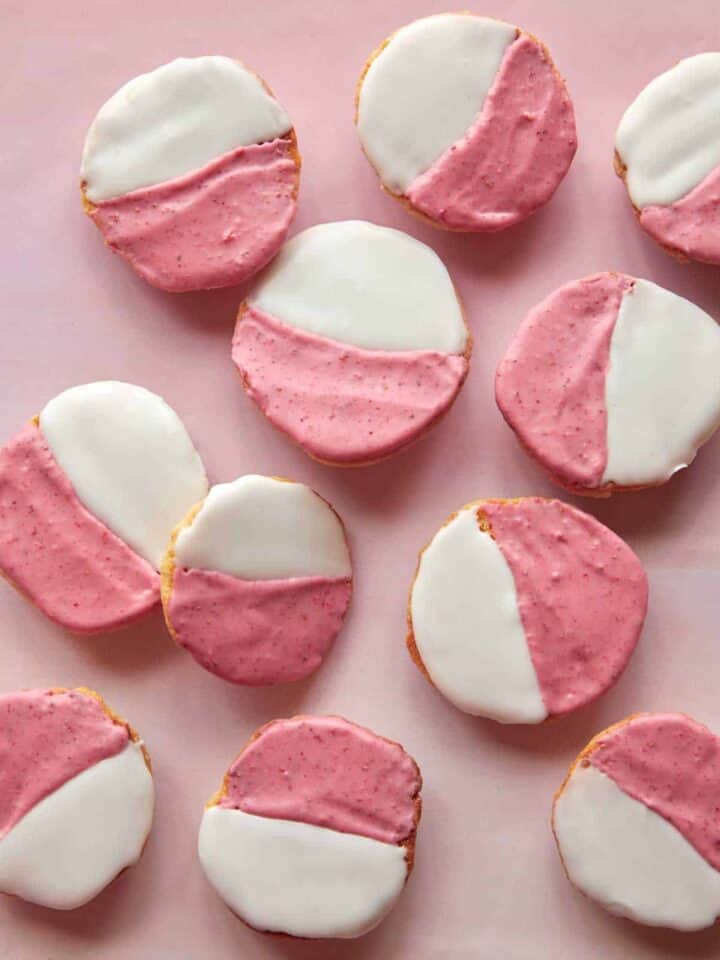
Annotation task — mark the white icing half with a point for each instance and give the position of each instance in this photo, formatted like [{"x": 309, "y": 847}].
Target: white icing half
[
  {"x": 129, "y": 458},
  {"x": 72, "y": 843},
  {"x": 629, "y": 858},
  {"x": 424, "y": 89},
  {"x": 669, "y": 137},
  {"x": 467, "y": 626},
  {"x": 365, "y": 285},
  {"x": 260, "y": 528},
  {"x": 662, "y": 390},
  {"x": 297, "y": 878},
  {"x": 174, "y": 120}
]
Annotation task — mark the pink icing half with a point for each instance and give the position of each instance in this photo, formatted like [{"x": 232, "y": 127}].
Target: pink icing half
[
  {"x": 692, "y": 225},
  {"x": 67, "y": 562},
  {"x": 343, "y": 404},
  {"x": 328, "y": 772},
  {"x": 582, "y": 596},
  {"x": 257, "y": 631},
  {"x": 670, "y": 763},
  {"x": 46, "y": 739},
  {"x": 550, "y": 385},
  {"x": 211, "y": 228},
  {"x": 513, "y": 157}
]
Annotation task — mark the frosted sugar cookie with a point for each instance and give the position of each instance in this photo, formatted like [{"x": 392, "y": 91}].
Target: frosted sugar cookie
[{"x": 191, "y": 173}]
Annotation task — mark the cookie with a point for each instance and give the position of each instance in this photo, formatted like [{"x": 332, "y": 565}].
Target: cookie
[
  {"x": 257, "y": 581},
  {"x": 466, "y": 121},
  {"x": 191, "y": 173},
  {"x": 667, "y": 150},
  {"x": 612, "y": 383},
  {"x": 353, "y": 343},
  {"x": 525, "y": 609},
  {"x": 76, "y": 796},
  {"x": 636, "y": 821},
  {"x": 90, "y": 492},
  {"x": 312, "y": 832}
]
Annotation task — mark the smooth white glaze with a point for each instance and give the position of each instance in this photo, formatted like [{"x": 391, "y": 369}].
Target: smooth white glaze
[
  {"x": 467, "y": 626},
  {"x": 423, "y": 90},
  {"x": 174, "y": 120},
  {"x": 629, "y": 858},
  {"x": 260, "y": 528},
  {"x": 129, "y": 458},
  {"x": 72, "y": 843},
  {"x": 669, "y": 136}
]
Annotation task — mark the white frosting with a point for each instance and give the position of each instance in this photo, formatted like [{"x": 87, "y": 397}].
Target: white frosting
[
  {"x": 260, "y": 528},
  {"x": 629, "y": 858},
  {"x": 297, "y": 878},
  {"x": 669, "y": 137},
  {"x": 71, "y": 844},
  {"x": 424, "y": 89},
  {"x": 175, "y": 120},
  {"x": 129, "y": 458},
  {"x": 467, "y": 626},
  {"x": 365, "y": 285},
  {"x": 662, "y": 390}
]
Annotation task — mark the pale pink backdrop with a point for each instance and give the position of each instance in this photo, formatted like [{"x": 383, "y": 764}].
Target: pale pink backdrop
[{"x": 487, "y": 882}]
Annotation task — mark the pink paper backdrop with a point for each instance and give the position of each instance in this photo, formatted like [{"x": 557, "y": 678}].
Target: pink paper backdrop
[{"x": 487, "y": 882}]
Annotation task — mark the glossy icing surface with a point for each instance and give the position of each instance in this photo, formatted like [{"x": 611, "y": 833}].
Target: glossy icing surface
[{"x": 691, "y": 225}]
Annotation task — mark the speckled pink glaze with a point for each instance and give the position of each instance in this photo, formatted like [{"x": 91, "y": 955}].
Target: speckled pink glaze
[
  {"x": 670, "y": 763},
  {"x": 342, "y": 403},
  {"x": 76, "y": 570},
  {"x": 257, "y": 632},
  {"x": 329, "y": 772},
  {"x": 513, "y": 157},
  {"x": 45, "y": 739},
  {"x": 582, "y": 596},
  {"x": 692, "y": 225},
  {"x": 213, "y": 227},
  {"x": 550, "y": 385}
]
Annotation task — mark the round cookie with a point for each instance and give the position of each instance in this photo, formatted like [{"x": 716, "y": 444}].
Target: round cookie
[
  {"x": 191, "y": 173},
  {"x": 257, "y": 580},
  {"x": 90, "y": 492},
  {"x": 636, "y": 821},
  {"x": 525, "y": 609},
  {"x": 612, "y": 383},
  {"x": 76, "y": 796},
  {"x": 466, "y": 121},
  {"x": 353, "y": 342},
  {"x": 667, "y": 150},
  {"x": 312, "y": 832}
]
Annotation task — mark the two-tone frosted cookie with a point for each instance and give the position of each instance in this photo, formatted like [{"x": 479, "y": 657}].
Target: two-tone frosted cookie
[
  {"x": 353, "y": 343},
  {"x": 637, "y": 823},
  {"x": 257, "y": 580},
  {"x": 90, "y": 492},
  {"x": 191, "y": 173},
  {"x": 312, "y": 832},
  {"x": 525, "y": 609},
  {"x": 466, "y": 121},
  {"x": 76, "y": 796},
  {"x": 612, "y": 383},
  {"x": 667, "y": 150}
]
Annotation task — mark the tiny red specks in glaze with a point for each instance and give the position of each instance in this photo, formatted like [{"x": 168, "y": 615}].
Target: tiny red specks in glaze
[{"x": 692, "y": 224}]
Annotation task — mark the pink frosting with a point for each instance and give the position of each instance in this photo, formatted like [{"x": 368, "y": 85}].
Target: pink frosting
[
  {"x": 550, "y": 385},
  {"x": 692, "y": 225},
  {"x": 513, "y": 157},
  {"x": 56, "y": 552},
  {"x": 257, "y": 631},
  {"x": 211, "y": 228},
  {"x": 46, "y": 739},
  {"x": 670, "y": 763},
  {"x": 582, "y": 596},
  {"x": 328, "y": 772},
  {"x": 343, "y": 404}
]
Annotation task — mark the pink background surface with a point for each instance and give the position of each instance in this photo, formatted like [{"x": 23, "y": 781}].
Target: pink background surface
[{"x": 487, "y": 881}]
